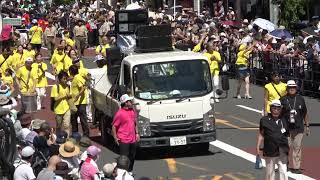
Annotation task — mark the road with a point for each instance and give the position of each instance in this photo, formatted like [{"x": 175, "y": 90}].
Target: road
[{"x": 231, "y": 157}]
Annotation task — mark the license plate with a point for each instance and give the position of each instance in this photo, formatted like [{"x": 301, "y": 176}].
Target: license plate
[{"x": 178, "y": 141}]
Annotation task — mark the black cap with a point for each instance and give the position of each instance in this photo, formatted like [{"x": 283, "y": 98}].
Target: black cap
[{"x": 61, "y": 137}]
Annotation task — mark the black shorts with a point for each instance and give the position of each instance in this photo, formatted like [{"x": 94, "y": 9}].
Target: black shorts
[
  {"x": 242, "y": 71},
  {"x": 36, "y": 47}
]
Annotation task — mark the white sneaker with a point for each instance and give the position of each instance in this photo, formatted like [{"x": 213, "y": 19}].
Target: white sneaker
[
  {"x": 239, "y": 97},
  {"x": 216, "y": 100}
]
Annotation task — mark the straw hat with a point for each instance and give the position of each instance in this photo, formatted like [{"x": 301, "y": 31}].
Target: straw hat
[{"x": 68, "y": 149}]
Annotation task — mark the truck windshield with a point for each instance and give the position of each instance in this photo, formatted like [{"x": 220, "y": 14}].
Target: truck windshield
[{"x": 169, "y": 80}]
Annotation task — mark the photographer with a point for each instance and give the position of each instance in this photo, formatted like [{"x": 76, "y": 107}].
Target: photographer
[{"x": 295, "y": 112}]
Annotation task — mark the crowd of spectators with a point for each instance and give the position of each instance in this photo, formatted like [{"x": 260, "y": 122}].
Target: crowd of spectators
[{"x": 66, "y": 31}]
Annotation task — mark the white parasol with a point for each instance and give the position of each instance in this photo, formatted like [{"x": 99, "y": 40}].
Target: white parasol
[{"x": 265, "y": 24}]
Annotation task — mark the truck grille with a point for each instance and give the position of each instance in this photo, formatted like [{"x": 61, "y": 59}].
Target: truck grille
[{"x": 176, "y": 128}]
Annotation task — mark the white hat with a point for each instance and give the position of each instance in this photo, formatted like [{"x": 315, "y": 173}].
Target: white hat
[
  {"x": 34, "y": 21},
  {"x": 245, "y": 21},
  {"x": 27, "y": 151},
  {"x": 276, "y": 103},
  {"x": 98, "y": 58},
  {"x": 124, "y": 98},
  {"x": 108, "y": 169},
  {"x": 240, "y": 30},
  {"x": 291, "y": 83},
  {"x": 223, "y": 34},
  {"x": 29, "y": 59}
]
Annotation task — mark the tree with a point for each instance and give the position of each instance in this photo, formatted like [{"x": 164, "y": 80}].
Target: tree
[{"x": 291, "y": 11}]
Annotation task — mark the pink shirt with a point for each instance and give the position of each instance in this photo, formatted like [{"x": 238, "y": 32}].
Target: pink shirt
[{"x": 125, "y": 123}]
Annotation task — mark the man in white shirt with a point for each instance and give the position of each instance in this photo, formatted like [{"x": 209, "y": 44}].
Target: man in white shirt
[
  {"x": 24, "y": 170},
  {"x": 122, "y": 168}
]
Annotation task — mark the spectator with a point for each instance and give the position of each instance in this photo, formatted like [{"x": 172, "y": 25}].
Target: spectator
[
  {"x": 110, "y": 171},
  {"x": 89, "y": 169},
  {"x": 123, "y": 164},
  {"x": 50, "y": 36},
  {"x": 23, "y": 170},
  {"x": 296, "y": 114},
  {"x": 69, "y": 154},
  {"x": 62, "y": 171},
  {"x": 101, "y": 62},
  {"x": 124, "y": 129},
  {"x": 48, "y": 173},
  {"x": 81, "y": 37},
  {"x": 273, "y": 134},
  {"x": 44, "y": 140}
]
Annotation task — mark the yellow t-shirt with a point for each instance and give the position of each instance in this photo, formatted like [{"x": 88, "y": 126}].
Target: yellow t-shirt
[
  {"x": 242, "y": 58},
  {"x": 4, "y": 62},
  {"x": 7, "y": 80},
  {"x": 42, "y": 80},
  {"x": 60, "y": 107},
  {"x": 76, "y": 85},
  {"x": 26, "y": 79},
  {"x": 27, "y": 53},
  {"x": 214, "y": 65},
  {"x": 197, "y": 47},
  {"x": 36, "y": 35},
  {"x": 272, "y": 92},
  {"x": 17, "y": 61},
  {"x": 58, "y": 60},
  {"x": 102, "y": 49}
]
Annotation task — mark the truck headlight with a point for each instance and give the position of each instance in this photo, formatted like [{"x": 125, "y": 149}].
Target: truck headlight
[
  {"x": 144, "y": 126},
  {"x": 208, "y": 121}
]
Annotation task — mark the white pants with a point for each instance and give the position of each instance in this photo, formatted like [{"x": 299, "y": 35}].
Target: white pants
[
  {"x": 215, "y": 83},
  {"x": 281, "y": 161},
  {"x": 41, "y": 93}
]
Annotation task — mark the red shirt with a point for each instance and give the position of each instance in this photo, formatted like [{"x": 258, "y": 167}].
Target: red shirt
[
  {"x": 27, "y": 19},
  {"x": 125, "y": 123}
]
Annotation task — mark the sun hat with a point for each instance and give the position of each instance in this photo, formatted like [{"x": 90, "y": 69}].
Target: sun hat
[
  {"x": 93, "y": 151},
  {"x": 36, "y": 124},
  {"x": 291, "y": 83},
  {"x": 3, "y": 99},
  {"x": 108, "y": 169},
  {"x": 27, "y": 151},
  {"x": 69, "y": 149},
  {"x": 62, "y": 169},
  {"x": 275, "y": 103},
  {"x": 124, "y": 98}
]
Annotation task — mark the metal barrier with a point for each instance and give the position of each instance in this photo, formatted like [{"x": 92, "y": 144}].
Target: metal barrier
[{"x": 262, "y": 64}]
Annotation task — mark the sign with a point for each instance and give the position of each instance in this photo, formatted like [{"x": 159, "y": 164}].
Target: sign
[{"x": 12, "y": 21}]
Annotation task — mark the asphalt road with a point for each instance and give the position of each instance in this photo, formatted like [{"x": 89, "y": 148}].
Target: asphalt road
[{"x": 229, "y": 158}]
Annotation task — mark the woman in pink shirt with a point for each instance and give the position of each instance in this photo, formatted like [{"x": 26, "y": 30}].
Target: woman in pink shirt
[{"x": 124, "y": 128}]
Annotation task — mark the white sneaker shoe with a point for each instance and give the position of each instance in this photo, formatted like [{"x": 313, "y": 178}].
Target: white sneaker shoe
[
  {"x": 216, "y": 100},
  {"x": 239, "y": 97}
]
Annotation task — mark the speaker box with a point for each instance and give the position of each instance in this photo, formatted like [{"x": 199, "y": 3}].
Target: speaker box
[
  {"x": 127, "y": 21},
  {"x": 150, "y": 31}
]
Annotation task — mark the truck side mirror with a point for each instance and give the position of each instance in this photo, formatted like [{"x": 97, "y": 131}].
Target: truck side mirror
[{"x": 225, "y": 82}]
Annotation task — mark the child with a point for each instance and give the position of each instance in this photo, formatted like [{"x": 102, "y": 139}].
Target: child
[
  {"x": 42, "y": 81},
  {"x": 7, "y": 79}
]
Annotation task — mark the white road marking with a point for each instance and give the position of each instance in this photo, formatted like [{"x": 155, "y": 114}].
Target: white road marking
[
  {"x": 250, "y": 157},
  {"x": 249, "y": 108}
]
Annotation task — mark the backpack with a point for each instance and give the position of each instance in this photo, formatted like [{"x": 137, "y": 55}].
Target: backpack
[{"x": 53, "y": 101}]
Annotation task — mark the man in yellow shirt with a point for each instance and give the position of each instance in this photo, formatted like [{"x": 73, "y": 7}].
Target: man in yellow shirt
[
  {"x": 61, "y": 95},
  {"x": 35, "y": 34},
  {"x": 101, "y": 49},
  {"x": 273, "y": 91},
  {"x": 80, "y": 94},
  {"x": 57, "y": 60},
  {"x": 214, "y": 58},
  {"x": 5, "y": 59},
  {"x": 40, "y": 67},
  {"x": 27, "y": 78}
]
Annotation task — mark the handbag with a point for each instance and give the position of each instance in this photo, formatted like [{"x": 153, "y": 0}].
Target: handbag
[{"x": 258, "y": 164}]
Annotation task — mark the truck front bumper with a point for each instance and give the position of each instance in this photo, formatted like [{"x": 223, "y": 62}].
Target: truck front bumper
[{"x": 165, "y": 141}]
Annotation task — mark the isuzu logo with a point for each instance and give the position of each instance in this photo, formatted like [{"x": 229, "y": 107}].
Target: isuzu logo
[{"x": 178, "y": 116}]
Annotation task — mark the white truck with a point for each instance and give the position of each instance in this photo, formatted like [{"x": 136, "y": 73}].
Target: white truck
[{"x": 173, "y": 95}]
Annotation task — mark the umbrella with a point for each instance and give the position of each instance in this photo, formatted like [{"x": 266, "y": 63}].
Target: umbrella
[
  {"x": 279, "y": 33},
  {"x": 310, "y": 31},
  {"x": 264, "y": 24}
]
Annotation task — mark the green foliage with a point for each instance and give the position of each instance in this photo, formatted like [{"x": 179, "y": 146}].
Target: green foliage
[
  {"x": 291, "y": 11},
  {"x": 63, "y": 2}
]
